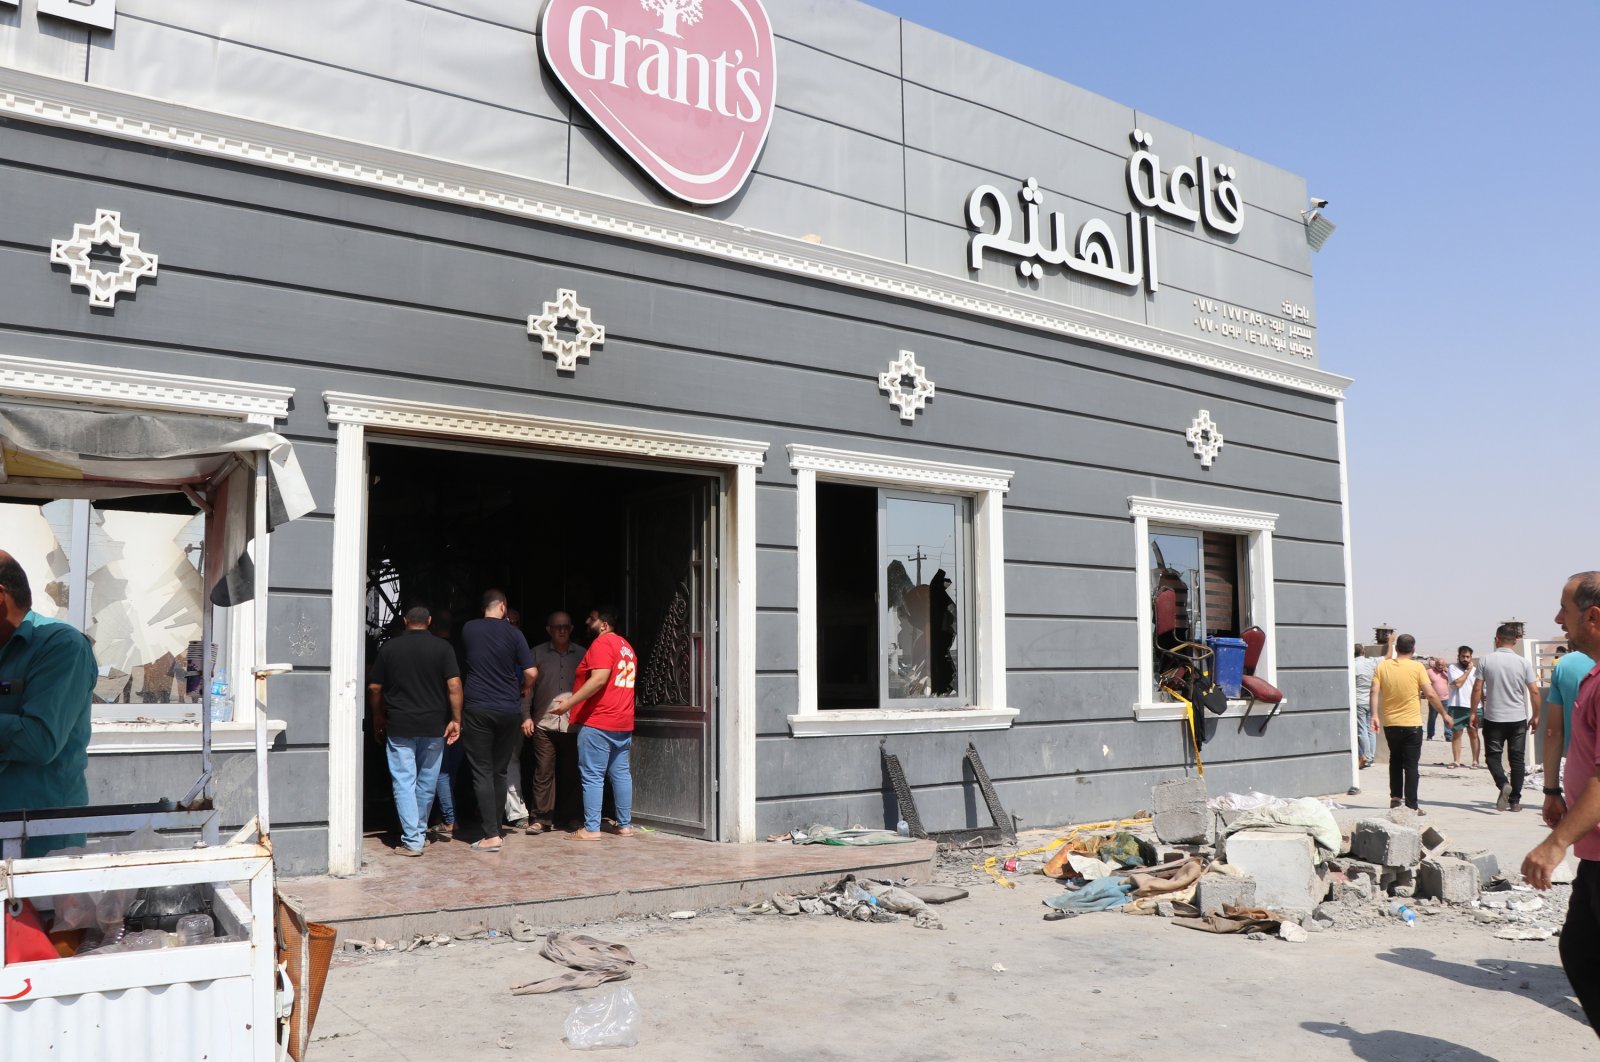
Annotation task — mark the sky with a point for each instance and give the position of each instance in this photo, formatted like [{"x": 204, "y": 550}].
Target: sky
[{"x": 1457, "y": 146}]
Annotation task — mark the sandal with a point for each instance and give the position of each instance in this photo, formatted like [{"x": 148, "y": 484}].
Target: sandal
[
  {"x": 479, "y": 846},
  {"x": 536, "y": 828},
  {"x": 1452, "y": 766}
]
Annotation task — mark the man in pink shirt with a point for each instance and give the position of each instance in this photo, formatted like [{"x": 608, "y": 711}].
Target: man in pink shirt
[{"x": 1580, "y": 937}]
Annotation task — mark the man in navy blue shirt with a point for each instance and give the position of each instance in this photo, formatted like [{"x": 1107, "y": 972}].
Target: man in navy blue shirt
[{"x": 498, "y": 674}]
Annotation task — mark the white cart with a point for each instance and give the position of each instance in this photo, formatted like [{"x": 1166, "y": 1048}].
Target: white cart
[{"x": 222, "y": 1000}]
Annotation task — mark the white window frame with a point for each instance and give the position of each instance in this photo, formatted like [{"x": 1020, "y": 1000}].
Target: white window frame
[
  {"x": 986, "y": 684},
  {"x": 1260, "y": 605},
  {"x": 106, "y": 388}
]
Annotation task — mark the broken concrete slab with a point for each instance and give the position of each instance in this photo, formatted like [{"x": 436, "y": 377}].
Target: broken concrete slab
[
  {"x": 1488, "y": 866},
  {"x": 1181, "y": 815},
  {"x": 1216, "y": 891},
  {"x": 1354, "y": 892},
  {"x": 1283, "y": 866},
  {"x": 1449, "y": 880},
  {"x": 1386, "y": 843}
]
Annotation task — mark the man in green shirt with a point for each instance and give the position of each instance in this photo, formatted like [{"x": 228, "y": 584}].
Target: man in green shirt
[{"x": 47, "y": 674}]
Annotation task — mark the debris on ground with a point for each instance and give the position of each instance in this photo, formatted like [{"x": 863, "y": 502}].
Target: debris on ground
[
  {"x": 861, "y": 901},
  {"x": 593, "y": 962}
]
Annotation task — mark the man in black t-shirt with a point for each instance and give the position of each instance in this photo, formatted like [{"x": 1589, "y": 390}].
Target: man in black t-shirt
[
  {"x": 414, "y": 691},
  {"x": 499, "y": 676}
]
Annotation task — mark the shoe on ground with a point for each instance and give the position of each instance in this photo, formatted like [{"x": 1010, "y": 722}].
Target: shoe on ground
[
  {"x": 1516, "y": 806},
  {"x": 1504, "y": 800},
  {"x": 402, "y": 850}
]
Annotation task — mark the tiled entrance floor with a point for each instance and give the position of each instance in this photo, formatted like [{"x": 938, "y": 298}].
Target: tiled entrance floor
[{"x": 553, "y": 880}]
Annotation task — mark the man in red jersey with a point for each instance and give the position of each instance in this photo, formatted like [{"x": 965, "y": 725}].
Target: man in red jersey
[{"x": 601, "y": 706}]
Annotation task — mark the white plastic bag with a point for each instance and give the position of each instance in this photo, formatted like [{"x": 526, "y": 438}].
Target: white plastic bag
[{"x": 610, "y": 1021}]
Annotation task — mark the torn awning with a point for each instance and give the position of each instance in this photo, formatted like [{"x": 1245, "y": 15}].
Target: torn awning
[{"x": 73, "y": 453}]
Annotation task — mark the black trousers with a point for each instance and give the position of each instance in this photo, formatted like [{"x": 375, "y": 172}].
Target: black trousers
[
  {"x": 1580, "y": 940},
  {"x": 1405, "y": 750},
  {"x": 1497, "y": 736},
  {"x": 488, "y": 738}
]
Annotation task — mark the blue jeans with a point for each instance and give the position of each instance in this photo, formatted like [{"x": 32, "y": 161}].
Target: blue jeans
[
  {"x": 1366, "y": 740},
  {"x": 414, "y": 766},
  {"x": 603, "y": 754},
  {"x": 447, "y": 783}
]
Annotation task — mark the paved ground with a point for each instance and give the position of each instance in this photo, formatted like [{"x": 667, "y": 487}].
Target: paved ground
[{"x": 1106, "y": 986}]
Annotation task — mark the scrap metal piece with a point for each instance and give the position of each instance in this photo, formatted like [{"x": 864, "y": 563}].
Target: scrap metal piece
[
  {"x": 997, "y": 811},
  {"x": 902, "y": 791}
]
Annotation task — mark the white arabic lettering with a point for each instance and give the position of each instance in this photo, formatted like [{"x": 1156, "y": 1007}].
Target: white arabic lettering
[
  {"x": 1093, "y": 252},
  {"x": 1211, "y": 195}
]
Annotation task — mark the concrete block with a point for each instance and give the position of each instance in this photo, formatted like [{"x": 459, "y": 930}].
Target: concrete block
[
  {"x": 1386, "y": 843},
  {"x": 1449, "y": 880},
  {"x": 1488, "y": 866},
  {"x": 1283, "y": 866},
  {"x": 1354, "y": 892},
  {"x": 1346, "y": 819},
  {"x": 1181, "y": 815},
  {"x": 1216, "y": 891}
]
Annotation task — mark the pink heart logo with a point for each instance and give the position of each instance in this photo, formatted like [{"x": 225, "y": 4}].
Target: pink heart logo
[{"x": 685, "y": 87}]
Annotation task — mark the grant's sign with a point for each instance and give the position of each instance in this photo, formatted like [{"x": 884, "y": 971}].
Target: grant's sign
[{"x": 685, "y": 87}]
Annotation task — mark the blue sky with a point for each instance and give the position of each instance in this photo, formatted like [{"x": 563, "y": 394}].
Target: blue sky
[{"x": 1457, "y": 145}]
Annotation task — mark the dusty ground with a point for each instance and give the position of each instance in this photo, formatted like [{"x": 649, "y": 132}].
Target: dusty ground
[{"x": 1109, "y": 986}]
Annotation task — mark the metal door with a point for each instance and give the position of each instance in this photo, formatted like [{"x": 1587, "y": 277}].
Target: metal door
[{"x": 672, "y": 572}]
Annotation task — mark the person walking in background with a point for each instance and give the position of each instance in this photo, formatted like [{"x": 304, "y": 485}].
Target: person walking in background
[
  {"x": 414, "y": 693},
  {"x": 1441, "y": 687},
  {"x": 1507, "y": 693},
  {"x": 1366, "y": 739},
  {"x": 499, "y": 675},
  {"x": 1461, "y": 676},
  {"x": 1576, "y": 825},
  {"x": 1398, "y": 688},
  {"x": 1572, "y": 667},
  {"x": 602, "y": 706}
]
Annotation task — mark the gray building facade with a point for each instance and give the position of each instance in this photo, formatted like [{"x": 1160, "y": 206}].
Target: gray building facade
[{"x": 387, "y": 231}]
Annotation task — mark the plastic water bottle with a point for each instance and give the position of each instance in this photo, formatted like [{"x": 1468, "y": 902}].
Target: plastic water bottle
[
  {"x": 903, "y": 828},
  {"x": 1404, "y": 913},
  {"x": 221, "y": 701}
]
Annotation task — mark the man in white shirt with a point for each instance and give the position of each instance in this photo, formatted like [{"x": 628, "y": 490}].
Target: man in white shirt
[
  {"x": 1508, "y": 694},
  {"x": 1366, "y": 739},
  {"x": 1462, "y": 675}
]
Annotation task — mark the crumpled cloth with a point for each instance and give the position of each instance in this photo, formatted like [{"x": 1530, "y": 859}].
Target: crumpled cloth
[
  {"x": 1244, "y": 801},
  {"x": 1307, "y": 815},
  {"x": 594, "y": 962},
  {"x": 1234, "y": 920},
  {"x": 1102, "y": 894},
  {"x": 860, "y": 901},
  {"x": 1167, "y": 878},
  {"x": 855, "y": 836}
]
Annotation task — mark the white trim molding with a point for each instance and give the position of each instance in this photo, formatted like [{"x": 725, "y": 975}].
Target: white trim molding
[
  {"x": 138, "y": 389},
  {"x": 177, "y": 736},
  {"x": 986, "y": 488},
  {"x": 887, "y": 470},
  {"x": 1197, "y": 514},
  {"x": 346, "y": 649},
  {"x": 56, "y": 102},
  {"x": 428, "y": 418},
  {"x": 1257, "y": 527},
  {"x": 1349, "y": 595}
]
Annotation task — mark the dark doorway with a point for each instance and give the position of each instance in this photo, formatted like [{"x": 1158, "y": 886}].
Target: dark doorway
[{"x": 443, "y": 525}]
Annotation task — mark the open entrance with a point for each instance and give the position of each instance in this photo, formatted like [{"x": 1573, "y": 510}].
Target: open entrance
[{"x": 444, "y": 524}]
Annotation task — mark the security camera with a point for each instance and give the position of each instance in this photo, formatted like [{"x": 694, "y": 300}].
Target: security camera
[{"x": 1319, "y": 203}]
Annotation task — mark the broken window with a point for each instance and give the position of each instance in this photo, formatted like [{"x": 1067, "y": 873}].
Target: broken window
[
  {"x": 131, "y": 581},
  {"x": 892, "y": 597}
]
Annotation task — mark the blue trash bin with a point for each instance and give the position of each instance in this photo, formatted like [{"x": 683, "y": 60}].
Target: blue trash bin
[{"x": 1230, "y": 663}]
